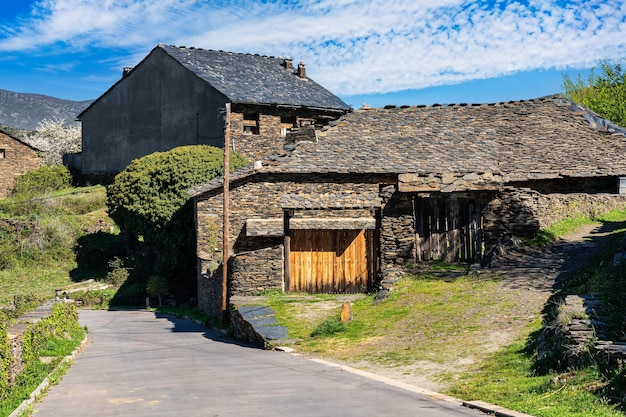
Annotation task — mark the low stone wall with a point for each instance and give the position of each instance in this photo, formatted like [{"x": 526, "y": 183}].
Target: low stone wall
[{"x": 523, "y": 212}]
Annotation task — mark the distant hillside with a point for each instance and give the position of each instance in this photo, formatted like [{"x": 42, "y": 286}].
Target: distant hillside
[{"x": 25, "y": 111}]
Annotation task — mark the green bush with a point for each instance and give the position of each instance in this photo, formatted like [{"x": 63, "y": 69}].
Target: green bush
[
  {"x": 44, "y": 180},
  {"x": 62, "y": 324},
  {"x": 5, "y": 357},
  {"x": 149, "y": 198},
  {"x": 118, "y": 273},
  {"x": 56, "y": 336},
  {"x": 157, "y": 287}
]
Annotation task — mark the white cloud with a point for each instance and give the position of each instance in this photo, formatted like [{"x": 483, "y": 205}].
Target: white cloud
[{"x": 350, "y": 46}]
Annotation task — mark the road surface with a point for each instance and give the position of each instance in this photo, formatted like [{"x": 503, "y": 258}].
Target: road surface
[{"x": 140, "y": 364}]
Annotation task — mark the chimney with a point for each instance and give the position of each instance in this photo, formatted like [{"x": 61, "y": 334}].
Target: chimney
[
  {"x": 301, "y": 70},
  {"x": 126, "y": 71},
  {"x": 288, "y": 63}
]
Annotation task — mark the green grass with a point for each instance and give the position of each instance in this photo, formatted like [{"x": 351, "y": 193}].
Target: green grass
[
  {"x": 56, "y": 349},
  {"x": 423, "y": 319},
  {"x": 508, "y": 379},
  {"x": 39, "y": 238}
]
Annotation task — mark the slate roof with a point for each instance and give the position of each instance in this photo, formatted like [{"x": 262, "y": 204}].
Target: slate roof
[
  {"x": 514, "y": 141},
  {"x": 4, "y": 133},
  {"x": 254, "y": 79}
]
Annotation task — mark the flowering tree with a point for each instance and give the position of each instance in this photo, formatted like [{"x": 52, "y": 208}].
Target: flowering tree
[{"x": 54, "y": 139}]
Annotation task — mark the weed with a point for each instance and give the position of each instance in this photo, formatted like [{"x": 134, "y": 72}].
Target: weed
[
  {"x": 329, "y": 327},
  {"x": 118, "y": 273}
]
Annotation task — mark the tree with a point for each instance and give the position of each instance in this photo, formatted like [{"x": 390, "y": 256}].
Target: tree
[
  {"x": 157, "y": 287},
  {"x": 149, "y": 199},
  {"x": 603, "y": 93},
  {"x": 54, "y": 139}
]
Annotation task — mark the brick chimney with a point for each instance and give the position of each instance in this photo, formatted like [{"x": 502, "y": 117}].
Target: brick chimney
[
  {"x": 301, "y": 70},
  {"x": 288, "y": 63}
]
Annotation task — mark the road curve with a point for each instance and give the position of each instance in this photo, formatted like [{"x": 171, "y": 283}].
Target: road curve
[{"x": 141, "y": 364}]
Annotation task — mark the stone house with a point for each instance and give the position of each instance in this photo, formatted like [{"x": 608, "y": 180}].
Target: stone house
[
  {"x": 380, "y": 188},
  {"x": 176, "y": 96},
  {"x": 16, "y": 158}
]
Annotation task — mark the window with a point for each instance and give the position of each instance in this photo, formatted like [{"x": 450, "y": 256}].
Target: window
[
  {"x": 251, "y": 123},
  {"x": 287, "y": 123},
  {"x": 2, "y": 154}
]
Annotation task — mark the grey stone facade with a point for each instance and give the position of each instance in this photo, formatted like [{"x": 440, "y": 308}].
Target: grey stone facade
[{"x": 177, "y": 96}]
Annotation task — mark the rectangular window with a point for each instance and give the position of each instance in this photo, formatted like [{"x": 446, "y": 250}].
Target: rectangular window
[
  {"x": 2, "y": 154},
  {"x": 251, "y": 123},
  {"x": 287, "y": 123}
]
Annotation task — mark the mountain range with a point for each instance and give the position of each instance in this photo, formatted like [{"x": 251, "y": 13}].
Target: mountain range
[{"x": 26, "y": 110}]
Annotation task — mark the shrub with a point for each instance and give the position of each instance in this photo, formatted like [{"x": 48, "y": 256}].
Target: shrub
[
  {"x": 5, "y": 356},
  {"x": 44, "y": 180},
  {"x": 118, "y": 274},
  {"x": 149, "y": 198},
  {"x": 157, "y": 287}
]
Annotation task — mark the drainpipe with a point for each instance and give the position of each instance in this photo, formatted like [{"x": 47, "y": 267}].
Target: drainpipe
[{"x": 225, "y": 244}]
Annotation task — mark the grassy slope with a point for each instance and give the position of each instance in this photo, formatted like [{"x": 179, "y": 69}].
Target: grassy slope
[
  {"x": 42, "y": 257},
  {"x": 438, "y": 327}
]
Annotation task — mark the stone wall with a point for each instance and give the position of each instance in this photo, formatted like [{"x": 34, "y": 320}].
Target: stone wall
[
  {"x": 256, "y": 146},
  {"x": 16, "y": 159},
  {"x": 522, "y": 211},
  {"x": 256, "y": 262},
  {"x": 397, "y": 231}
]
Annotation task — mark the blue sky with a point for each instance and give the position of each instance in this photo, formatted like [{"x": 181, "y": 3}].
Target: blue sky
[{"x": 376, "y": 52}]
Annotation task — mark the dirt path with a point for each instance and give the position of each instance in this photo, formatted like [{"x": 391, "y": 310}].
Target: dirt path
[{"x": 527, "y": 280}]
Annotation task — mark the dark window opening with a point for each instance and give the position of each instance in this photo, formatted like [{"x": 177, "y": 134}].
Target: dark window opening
[
  {"x": 251, "y": 123},
  {"x": 287, "y": 124}
]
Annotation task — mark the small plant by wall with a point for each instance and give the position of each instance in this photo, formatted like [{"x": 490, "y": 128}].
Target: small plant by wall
[
  {"x": 5, "y": 356},
  {"x": 54, "y": 338}
]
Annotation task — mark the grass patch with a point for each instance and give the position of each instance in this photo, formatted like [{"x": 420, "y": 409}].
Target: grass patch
[
  {"x": 508, "y": 379},
  {"x": 424, "y": 319},
  {"x": 39, "y": 238}
]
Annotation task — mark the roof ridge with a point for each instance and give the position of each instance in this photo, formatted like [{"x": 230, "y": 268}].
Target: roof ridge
[
  {"x": 193, "y": 48},
  {"x": 459, "y": 105}
]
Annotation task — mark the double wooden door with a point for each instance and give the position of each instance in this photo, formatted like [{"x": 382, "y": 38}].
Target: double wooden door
[{"x": 331, "y": 261}]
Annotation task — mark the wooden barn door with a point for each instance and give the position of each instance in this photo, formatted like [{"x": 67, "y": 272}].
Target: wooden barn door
[
  {"x": 448, "y": 229},
  {"x": 330, "y": 261}
]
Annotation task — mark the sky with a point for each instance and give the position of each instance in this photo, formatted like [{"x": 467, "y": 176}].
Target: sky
[{"x": 376, "y": 52}]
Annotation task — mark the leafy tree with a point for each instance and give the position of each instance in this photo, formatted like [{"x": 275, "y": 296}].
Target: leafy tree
[
  {"x": 604, "y": 92},
  {"x": 157, "y": 286},
  {"x": 149, "y": 199}
]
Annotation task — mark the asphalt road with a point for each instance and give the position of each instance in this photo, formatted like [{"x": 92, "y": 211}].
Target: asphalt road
[{"x": 137, "y": 364}]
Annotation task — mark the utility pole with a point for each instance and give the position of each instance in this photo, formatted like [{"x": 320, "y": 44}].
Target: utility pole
[{"x": 225, "y": 242}]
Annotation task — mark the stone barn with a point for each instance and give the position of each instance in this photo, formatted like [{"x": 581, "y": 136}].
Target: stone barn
[
  {"x": 380, "y": 188},
  {"x": 16, "y": 158}
]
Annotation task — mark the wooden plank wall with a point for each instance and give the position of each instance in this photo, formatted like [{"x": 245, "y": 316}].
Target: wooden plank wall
[
  {"x": 330, "y": 261},
  {"x": 447, "y": 228}
]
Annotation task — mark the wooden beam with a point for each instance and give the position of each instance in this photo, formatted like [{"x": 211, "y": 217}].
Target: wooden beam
[
  {"x": 226, "y": 222},
  {"x": 287, "y": 249}
]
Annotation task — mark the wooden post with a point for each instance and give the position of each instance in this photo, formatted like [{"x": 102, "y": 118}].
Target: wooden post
[
  {"x": 226, "y": 225},
  {"x": 287, "y": 249}
]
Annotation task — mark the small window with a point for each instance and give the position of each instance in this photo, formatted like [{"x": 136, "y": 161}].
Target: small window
[
  {"x": 2, "y": 154},
  {"x": 287, "y": 123},
  {"x": 251, "y": 123},
  {"x": 250, "y": 130}
]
